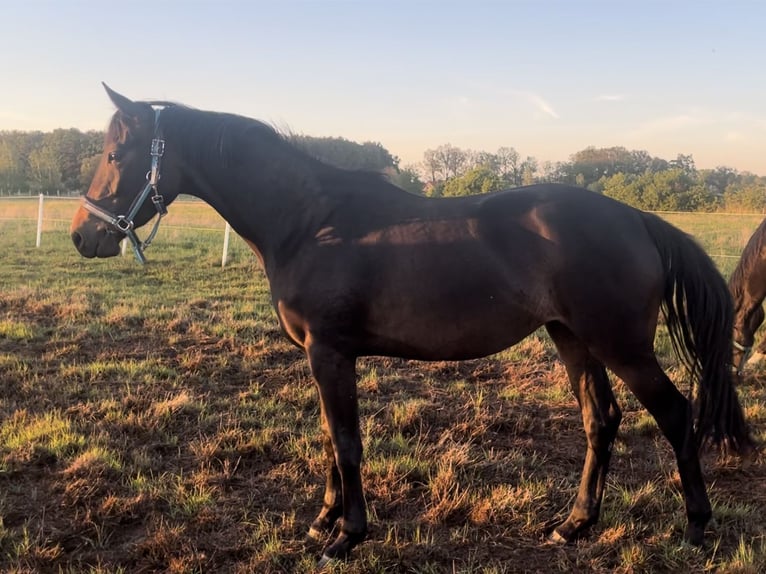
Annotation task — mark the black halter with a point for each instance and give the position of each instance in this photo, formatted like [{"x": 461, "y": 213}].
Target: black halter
[
  {"x": 746, "y": 351},
  {"x": 125, "y": 223}
]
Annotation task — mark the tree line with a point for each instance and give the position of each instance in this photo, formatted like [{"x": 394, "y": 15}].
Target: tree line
[
  {"x": 632, "y": 176},
  {"x": 60, "y": 161},
  {"x": 63, "y": 161}
]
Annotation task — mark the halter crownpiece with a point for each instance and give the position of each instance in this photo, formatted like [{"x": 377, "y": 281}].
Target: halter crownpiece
[{"x": 125, "y": 223}]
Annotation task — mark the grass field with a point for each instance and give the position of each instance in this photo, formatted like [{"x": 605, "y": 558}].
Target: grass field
[{"x": 153, "y": 419}]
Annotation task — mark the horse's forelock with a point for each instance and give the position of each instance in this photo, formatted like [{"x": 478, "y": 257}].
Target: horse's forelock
[{"x": 115, "y": 132}]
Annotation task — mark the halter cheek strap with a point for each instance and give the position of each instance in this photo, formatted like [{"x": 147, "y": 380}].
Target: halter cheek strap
[
  {"x": 737, "y": 369},
  {"x": 125, "y": 223}
]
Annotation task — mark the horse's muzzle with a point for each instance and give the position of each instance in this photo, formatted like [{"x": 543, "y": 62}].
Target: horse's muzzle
[{"x": 103, "y": 245}]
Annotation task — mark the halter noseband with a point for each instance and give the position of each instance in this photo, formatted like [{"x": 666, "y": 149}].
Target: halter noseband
[{"x": 124, "y": 223}]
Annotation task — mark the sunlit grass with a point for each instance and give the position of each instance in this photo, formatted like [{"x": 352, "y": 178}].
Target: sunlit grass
[
  {"x": 15, "y": 331},
  {"x": 50, "y": 433}
]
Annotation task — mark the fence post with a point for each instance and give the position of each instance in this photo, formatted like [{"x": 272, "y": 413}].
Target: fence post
[
  {"x": 226, "y": 234},
  {"x": 39, "y": 221}
]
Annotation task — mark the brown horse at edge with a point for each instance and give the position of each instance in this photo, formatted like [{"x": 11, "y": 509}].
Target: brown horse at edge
[{"x": 748, "y": 290}]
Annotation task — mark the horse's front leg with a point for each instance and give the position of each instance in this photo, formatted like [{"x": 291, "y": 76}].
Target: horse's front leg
[
  {"x": 335, "y": 376},
  {"x": 332, "y": 507}
]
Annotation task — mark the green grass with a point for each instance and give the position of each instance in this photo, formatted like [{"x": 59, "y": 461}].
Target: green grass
[{"x": 154, "y": 419}]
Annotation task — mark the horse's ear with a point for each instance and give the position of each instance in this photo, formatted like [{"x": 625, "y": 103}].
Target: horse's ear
[{"x": 128, "y": 107}]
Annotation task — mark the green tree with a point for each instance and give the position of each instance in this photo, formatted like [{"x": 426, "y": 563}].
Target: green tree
[
  {"x": 670, "y": 190},
  {"x": 445, "y": 162},
  {"x": 88, "y": 167},
  {"x": 588, "y": 166},
  {"x": 719, "y": 179},
  {"x": 66, "y": 147},
  {"x": 477, "y": 180},
  {"x": 622, "y": 188},
  {"x": 407, "y": 178},
  {"x": 529, "y": 171},
  {"x": 11, "y": 164},
  {"x": 509, "y": 166},
  {"x": 340, "y": 152},
  {"x": 747, "y": 194},
  {"x": 45, "y": 171},
  {"x": 685, "y": 163}
]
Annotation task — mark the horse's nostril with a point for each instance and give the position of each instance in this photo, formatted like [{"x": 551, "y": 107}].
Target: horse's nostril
[{"x": 76, "y": 239}]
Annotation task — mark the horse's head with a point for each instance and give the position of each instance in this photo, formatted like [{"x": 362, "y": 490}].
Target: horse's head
[{"x": 125, "y": 192}]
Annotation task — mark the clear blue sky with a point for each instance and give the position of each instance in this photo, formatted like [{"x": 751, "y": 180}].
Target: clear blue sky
[{"x": 548, "y": 77}]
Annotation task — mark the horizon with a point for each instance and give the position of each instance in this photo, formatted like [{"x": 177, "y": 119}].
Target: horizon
[{"x": 546, "y": 78}]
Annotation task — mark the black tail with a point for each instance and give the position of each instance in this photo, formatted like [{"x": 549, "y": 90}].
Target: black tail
[{"x": 699, "y": 314}]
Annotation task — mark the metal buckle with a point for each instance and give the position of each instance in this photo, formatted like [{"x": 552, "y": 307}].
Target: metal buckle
[
  {"x": 158, "y": 147},
  {"x": 123, "y": 224},
  {"x": 159, "y": 204}
]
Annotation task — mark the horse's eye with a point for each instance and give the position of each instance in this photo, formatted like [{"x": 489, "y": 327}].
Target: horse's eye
[{"x": 113, "y": 156}]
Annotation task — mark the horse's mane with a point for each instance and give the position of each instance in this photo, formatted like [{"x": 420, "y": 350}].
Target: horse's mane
[
  {"x": 226, "y": 140},
  {"x": 751, "y": 256},
  {"x": 215, "y": 136}
]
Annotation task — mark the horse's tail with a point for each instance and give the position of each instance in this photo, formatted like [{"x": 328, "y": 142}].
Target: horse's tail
[{"x": 699, "y": 314}]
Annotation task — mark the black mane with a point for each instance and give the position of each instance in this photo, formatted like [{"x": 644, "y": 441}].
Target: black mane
[{"x": 223, "y": 140}]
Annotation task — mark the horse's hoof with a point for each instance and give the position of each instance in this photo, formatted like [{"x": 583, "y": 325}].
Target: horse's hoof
[
  {"x": 341, "y": 548},
  {"x": 324, "y": 561},
  {"x": 695, "y": 535},
  {"x": 555, "y": 538}
]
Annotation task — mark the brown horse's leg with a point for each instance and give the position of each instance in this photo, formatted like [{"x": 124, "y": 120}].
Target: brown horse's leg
[
  {"x": 601, "y": 418},
  {"x": 673, "y": 414},
  {"x": 332, "y": 509},
  {"x": 335, "y": 375}
]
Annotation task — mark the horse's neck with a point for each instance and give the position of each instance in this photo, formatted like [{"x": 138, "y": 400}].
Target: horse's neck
[{"x": 271, "y": 214}]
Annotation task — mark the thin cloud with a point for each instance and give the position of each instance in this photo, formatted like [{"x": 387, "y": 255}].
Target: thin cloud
[
  {"x": 730, "y": 127},
  {"x": 669, "y": 124},
  {"x": 745, "y": 119},
  {"x": 610, "y": 98},
  {"x": 538, "y": 102},
  {"x": 458, "y": 104}
]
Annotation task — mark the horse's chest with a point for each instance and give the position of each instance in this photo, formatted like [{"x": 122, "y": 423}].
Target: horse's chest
[{"x": 293, "y": 323}]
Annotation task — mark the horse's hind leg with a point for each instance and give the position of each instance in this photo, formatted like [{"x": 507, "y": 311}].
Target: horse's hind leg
[
  {"x": 673, "y": 414},
  {"x": 601, "y": 418},
  {"x": 332, "y": 507}
]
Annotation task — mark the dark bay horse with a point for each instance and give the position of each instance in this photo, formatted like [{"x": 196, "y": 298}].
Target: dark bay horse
[
  {"x": 359, "y": 267},
  {"x": 748, "y": 289}
]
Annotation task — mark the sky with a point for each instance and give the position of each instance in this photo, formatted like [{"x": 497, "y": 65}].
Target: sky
[{"x": 547, "y": 77}]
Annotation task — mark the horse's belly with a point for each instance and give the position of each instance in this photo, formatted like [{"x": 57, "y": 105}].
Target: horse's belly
[{"x": 464, "y": 330}]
